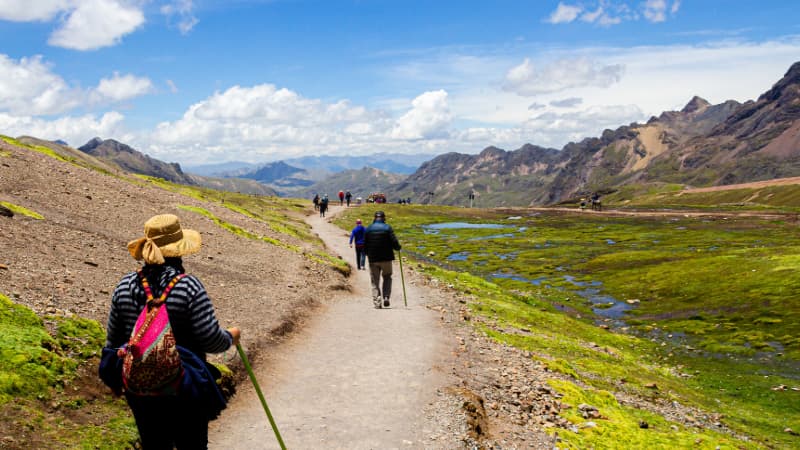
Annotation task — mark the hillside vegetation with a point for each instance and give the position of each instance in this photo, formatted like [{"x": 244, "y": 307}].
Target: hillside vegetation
[
  {"x": 64, "y": 249},
  {"x": 680, "y": 328}
]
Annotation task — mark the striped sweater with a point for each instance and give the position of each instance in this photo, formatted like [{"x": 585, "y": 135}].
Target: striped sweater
[{"x": 191, "y": 313}]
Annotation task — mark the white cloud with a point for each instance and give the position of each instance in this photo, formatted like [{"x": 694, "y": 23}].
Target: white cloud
[
  {"x": 655, "y": 10},
  {"x": 183, "y": 9},
  {"x": 121, "y": 87},
  {"x": 74, "y": 130},
  {"x": 95, "y": 24},
  {"x": 29, "y": 87},
  {"x": 564, "y": 14},
  {"x": 612, "y": 12},
  {"x": 172, "y": 86},
  {"x": 31, "y": 10},
  {"x": 428, "y": 118},
  {"x": 526, "y": 80}
]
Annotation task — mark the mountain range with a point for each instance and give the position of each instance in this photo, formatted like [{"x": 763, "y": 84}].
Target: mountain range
[{"x": 700, "y": 145}]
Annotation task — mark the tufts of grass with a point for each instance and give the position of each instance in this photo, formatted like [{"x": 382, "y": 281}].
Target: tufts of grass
[
  {"x": 319, "y": 257},
  {"x": 16, "y": 209}
]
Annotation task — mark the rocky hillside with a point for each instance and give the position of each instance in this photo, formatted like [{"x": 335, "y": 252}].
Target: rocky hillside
[
  {"x": 64, "y": 249},
  {"x": 700, "y": 145},
  {"x": 126, "y": 158},
  {"x": 131, "y": 160}
]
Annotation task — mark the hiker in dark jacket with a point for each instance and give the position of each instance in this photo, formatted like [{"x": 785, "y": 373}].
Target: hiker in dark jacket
[
  {"x": 357, "y": 235},
  {"x": 323, "y": 205},
  {"x": 380, "y": 243},
  {"x": 165, "y": 421},
  {"x": 347, "y": 197}
]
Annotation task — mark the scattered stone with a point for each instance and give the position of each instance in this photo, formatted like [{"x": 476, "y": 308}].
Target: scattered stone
[
  {"x": 651, "y": 386},
  {"x": 790, "y": 431},
  {"x": 91, "y": 263},
  {"x": 3, "y": 266},
  {"x": 643, "y": 425},
  {"x": 6, "y": 212},
  {"x": 780, "y": 387}
]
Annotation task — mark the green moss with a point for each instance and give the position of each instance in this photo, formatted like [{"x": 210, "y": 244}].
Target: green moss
[
  {"x": 621, "y": 426},
  {"x": 16, "y": 209},
  {"x": 712, "y": 299},
  {"x": 37, "y": 148}
]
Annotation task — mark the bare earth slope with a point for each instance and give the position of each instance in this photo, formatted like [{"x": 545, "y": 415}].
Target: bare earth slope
[{"x": 354, "y": 378}]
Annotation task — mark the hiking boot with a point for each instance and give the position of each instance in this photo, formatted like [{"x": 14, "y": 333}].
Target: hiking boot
[
  {"x": 386, "y": 303},
  {"x": 377, "y": 303}
]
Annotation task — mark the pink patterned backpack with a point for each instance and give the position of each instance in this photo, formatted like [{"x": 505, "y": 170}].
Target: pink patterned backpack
[{"x": 151, "y": 364}]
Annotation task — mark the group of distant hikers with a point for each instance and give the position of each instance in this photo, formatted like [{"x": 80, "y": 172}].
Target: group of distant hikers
[{"x": 321, "y": 203}]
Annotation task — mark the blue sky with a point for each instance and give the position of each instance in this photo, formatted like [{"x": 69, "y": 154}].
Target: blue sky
[{"x": 202, "y": 81}]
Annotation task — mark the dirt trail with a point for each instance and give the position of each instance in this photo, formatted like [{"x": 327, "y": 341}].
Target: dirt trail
[{"x": 354, "y": 378}]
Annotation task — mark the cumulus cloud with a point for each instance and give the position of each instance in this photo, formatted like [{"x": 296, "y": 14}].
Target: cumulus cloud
[
  {"x": 564, "y": 14},
  {"x": 183, "y": 11},
  {"x": 75, "y": 130},
  {"x": 121, "y": 87},
  {"x": 95, "y": 24},
  {"x": 29, "y": 87},
  {"x": 526, "y": 80},
  {"x": 567, "y": 102},
  {"x": 31, "y": 11},
  {"x": 428, "y": 118}
]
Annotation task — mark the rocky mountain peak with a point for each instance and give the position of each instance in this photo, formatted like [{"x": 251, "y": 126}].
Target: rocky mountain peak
[
  {"x": 695, "y": 104},
  {"x": 789, "y": 85}
]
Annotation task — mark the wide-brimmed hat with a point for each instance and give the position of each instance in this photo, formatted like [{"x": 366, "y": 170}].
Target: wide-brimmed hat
[{"x": 164, "y": 238}]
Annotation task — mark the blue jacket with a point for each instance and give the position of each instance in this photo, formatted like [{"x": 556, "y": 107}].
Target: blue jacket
[{"x": 358, "y": 235}]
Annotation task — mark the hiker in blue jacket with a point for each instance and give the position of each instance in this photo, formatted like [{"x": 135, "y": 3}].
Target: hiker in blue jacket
[
  {"x": 357, "y": 235},
  {"x": 380, "y": 243},
  {"x": 178, "y": 420}
]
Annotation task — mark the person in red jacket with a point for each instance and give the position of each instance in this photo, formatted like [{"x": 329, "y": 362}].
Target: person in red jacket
[{"x": 341, "y": 198}]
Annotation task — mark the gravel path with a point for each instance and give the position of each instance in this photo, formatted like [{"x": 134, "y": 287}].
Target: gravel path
[{"x": 353, "y": 378}]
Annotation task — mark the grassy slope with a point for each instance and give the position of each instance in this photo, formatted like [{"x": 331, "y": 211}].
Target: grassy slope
[
  {"x": 37, "y": 365},
  {"x": 690, "y": 276}
]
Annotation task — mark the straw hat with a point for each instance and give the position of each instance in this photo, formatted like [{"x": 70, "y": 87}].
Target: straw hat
[{"x": 164, "y": 237}]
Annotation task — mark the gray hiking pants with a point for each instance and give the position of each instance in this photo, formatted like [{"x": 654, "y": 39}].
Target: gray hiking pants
[{"x": 376, "y": 270}]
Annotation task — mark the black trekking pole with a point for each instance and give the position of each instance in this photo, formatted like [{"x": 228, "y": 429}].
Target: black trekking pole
[
  {"x": 260, "y": 395},
  {"x": 402, "y": 279}
]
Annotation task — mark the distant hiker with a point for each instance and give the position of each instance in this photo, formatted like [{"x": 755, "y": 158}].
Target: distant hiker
[
  {"x": 583, "y": 203},
  {"x": 357, "y": 235},
  {"x": 146, "y": 335},
  {"x": 347, "y": 197},
  {"x": 341, "y": 198},
  {"x": 380, "y": 243},
  {"x": 596, "y": 205},
  {"x": 316, "y": 202},
  {"x": 323, "y": 205}
]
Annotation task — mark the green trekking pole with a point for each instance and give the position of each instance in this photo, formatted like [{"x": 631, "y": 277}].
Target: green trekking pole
[
  {"x": 260, "y": 395},
  {"x": 402, "y": 279}
]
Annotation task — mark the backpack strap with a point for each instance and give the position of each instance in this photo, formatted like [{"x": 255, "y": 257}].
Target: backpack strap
[{"x": 151, "y": 301}]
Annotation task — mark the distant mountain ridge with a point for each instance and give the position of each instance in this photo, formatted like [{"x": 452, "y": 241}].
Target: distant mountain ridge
[
  {"x": 700, "y": 145},
  {"x": 131, "y": 160}
]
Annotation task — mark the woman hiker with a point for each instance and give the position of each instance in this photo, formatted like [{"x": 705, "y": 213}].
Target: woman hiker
[{"x": 167, "y": 420}]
